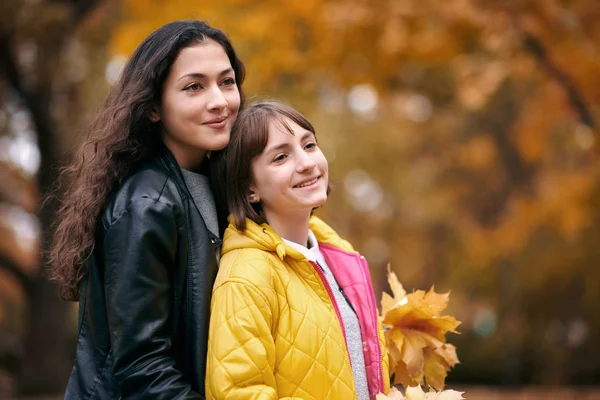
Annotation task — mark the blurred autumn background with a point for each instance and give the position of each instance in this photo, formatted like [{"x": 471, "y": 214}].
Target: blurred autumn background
[{"x": 462, "y": 137}]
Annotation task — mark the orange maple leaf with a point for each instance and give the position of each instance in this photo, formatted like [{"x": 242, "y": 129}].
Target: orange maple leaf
[{"x": 415, "y": 334}]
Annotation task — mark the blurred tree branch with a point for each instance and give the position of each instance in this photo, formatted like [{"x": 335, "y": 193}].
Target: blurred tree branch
[
  {"x": 45, "y": 365},
  {"x": 83, "y": 8},
  {"x": 35, "y": 97},
  {"x": 9, "y": 265},
  {"x": 32, "y": 99},
  {"x": 535, "y": 46}
]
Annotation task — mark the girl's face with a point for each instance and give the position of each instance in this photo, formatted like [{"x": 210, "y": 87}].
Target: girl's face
[
  {"x": 290, "y": 176},
  {"x": 199, "y": 104}
]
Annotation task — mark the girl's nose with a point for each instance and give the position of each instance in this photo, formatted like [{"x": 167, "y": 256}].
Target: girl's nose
[{"x": 305, "y": 162}]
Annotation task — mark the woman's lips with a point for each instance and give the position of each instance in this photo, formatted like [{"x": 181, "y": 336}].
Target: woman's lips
[{"x": 217, "y": 123}]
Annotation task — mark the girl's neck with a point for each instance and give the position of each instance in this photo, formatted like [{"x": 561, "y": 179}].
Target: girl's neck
[{"x": 291, "y": 227}]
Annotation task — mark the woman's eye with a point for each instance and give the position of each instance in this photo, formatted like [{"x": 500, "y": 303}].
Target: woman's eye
[
  {"x": 310, "y": 145},
  {"x": 194, "y": 87},
  {"x": 229, "y": 82}
]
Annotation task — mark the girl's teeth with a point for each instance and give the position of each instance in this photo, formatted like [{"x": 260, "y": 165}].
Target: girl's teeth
[{"x": 307, "y": 183}]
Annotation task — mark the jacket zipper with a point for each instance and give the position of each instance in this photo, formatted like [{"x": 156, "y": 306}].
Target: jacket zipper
[
  {"x": 348, "y": 301},
  {"x": 317, "y": 268}
]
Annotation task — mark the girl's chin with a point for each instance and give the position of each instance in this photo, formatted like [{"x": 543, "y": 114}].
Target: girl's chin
[{"x": 318, "y": 204}]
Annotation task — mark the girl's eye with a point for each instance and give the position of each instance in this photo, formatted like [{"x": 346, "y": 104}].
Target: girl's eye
[
  {"x": 229, "y": 82},
  {"x": 194, "y": 87},
  {"x": 280, "y": 158},
  {"x": 310, "y": 145}
]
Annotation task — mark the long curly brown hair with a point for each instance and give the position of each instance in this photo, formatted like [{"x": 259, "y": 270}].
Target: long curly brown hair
[{"x": 120, "y": 138}]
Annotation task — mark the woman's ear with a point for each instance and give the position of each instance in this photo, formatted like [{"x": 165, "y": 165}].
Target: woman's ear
[{"x": 154, "y": 115}]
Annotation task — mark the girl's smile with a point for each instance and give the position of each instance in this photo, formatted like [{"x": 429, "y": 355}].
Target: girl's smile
[{"x": 308, "y": 183}]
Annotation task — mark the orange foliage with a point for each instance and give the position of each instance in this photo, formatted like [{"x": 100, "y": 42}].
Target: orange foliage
[{"x": 478, "y": 138}]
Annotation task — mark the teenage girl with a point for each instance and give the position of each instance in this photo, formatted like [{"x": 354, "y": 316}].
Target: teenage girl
[{"x": 293, "y": 312}]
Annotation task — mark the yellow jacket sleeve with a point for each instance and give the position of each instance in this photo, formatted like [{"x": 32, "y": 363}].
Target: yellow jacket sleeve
[{"x": 241, "y": 347}]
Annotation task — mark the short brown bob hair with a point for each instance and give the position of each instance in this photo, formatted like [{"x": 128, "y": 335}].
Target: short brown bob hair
[{"x": 249, "y": 138}]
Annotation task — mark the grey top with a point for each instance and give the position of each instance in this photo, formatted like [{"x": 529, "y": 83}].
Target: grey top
[
  {"x": 199, "y": 188},
  {"x": 349, "y": 321}
]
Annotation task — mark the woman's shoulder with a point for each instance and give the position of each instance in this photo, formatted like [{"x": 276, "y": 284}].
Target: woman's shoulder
[{"x": 145, "y": 186}]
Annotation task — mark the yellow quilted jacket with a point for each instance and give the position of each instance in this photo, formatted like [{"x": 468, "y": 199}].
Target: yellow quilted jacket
[{"x": 274, "y": 332}]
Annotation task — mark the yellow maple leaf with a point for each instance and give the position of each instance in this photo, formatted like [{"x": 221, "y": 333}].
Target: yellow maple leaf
[
  {"x": 393, "y": 394},
  {"x": 417, "y": 393},
  {"x": 415, "y": 334}
]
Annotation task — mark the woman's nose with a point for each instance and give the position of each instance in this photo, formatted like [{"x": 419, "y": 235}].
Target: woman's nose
[{"x": 217, "y": 100}]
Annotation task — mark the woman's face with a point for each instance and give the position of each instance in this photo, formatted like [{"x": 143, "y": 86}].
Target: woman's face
[
  {"x": 199, "y": 104},
  {"x": 290, "y": 176}
]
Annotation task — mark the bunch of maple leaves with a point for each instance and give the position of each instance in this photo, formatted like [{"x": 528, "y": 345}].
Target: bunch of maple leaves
[{"x": 415, "y": 334}]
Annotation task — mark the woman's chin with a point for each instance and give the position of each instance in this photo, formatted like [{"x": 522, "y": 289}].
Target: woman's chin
[
  {"x": 219, "y": 143},
  {"x": 218, "y": 146}
]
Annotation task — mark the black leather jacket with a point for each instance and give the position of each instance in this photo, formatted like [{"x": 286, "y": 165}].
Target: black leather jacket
[{"x": 145, "y": 298}]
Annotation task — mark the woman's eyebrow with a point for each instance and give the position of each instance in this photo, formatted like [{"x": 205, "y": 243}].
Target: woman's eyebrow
[{"x": 200, "y": 75}]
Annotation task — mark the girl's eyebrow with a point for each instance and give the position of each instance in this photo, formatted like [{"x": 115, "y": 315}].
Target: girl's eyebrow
[
  {"x": 307, "y": 134},
  {"x": 278, "y": 147},
  {"x": 286, "y": 145},
  {"x": 200, "y": 75}
]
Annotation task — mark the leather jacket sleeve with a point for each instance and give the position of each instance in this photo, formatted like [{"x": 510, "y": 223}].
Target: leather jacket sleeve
[{"x": 139, "y": 254}]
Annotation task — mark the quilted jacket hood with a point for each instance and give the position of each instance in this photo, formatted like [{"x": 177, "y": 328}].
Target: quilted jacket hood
[{"x": 263, "y": 237}]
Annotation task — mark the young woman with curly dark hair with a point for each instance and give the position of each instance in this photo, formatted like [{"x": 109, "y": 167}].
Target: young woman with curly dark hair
[{"x": 137, "y": 234}]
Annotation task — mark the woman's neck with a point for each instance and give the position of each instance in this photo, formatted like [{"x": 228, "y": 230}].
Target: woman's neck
[
  {"x": 187, "y": 157},
  {"x": 291, "y": 227}
]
